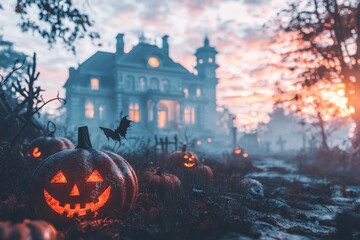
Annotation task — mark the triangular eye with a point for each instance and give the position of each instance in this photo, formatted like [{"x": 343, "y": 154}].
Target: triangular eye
[
  {"x": 95, "y": 177},
  {"x": 59, "y": 178}
]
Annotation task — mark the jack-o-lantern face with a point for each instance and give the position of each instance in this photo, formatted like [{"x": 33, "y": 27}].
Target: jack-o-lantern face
[
  {"x": 82, "y": 183},
  {"x": 183, "y": 159},
  {"x": 237, "y": 150},
  {"x": 189, "y": 160},
  {"x": 80, "y": 208}
]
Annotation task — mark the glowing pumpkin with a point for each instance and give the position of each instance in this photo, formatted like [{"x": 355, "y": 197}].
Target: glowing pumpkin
[
  {"x": 43, "y": 147},
  {"x": 83, "y": 183},
  {"x": 27, "y": 230},
  {"x": 182, "y": 159},
  {"x": 187, "y": 167},
  {"x": 237, "y": 150}
]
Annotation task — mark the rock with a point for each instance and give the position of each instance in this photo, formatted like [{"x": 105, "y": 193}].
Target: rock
[{"x": 250, "y": 188}]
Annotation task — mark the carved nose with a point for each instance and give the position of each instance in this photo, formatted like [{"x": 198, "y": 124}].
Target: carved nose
[{"x": 74, "y": 191}]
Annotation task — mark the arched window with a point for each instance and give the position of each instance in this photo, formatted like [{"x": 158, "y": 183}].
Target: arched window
[
  {"x": 129, "y": 83},
  {"x": 142, "y": 84},
  {"x": 189, "y": 115},
  {"x": 101, "y": 112},
  {"x": 89, "y": 110},
  {"x": 154, "y": 84},
  {"x": 198, "y": 92},
  {"x": 186, "y": 92},
  {"x": 94, "y": 84},
  {"x": 165, "y": 85},
  {"x": 134, "y": 112}
]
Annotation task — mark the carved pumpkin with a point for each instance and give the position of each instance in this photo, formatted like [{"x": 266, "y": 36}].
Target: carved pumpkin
[
  {"x": 187, "y": 167},
  {"x": 236, "y": 159},
  {"x": 43, "y": 147},
  {"x": 27, "y": 230},
  {"x": 159, "y": 182},
  {"x": 182, "y": 159},
  {"x": 83, "y": 183}
]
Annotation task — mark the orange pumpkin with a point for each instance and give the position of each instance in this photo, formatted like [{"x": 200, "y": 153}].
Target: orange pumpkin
[
  {"x": 43, "y": 147},
  {"x": 27, "y": 230},
  {"x": 83, "y": 183},
  {"x": 159, "y": 182},
  {"x": 183, "y": 159},
  {"x": 186, "y": 165}
]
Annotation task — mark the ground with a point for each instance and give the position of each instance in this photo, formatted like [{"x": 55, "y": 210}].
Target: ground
[{"x": 294, "y": 205}]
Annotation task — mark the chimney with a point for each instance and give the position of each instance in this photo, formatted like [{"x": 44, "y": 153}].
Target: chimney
[
  {"x": 165, "y": 44},
  {"x": 120, "y": 44},
  {"x": 71, "y": 72}
]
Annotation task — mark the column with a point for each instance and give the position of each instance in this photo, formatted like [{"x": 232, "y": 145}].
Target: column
[{"x": 155, "y": 115}]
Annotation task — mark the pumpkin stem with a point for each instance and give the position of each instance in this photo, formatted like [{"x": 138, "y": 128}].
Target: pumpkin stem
[
  {"x": 159, "y": 171},
  {"x": 84, "y": 138},
  {"x": 184, "y": 148},
  {"x": 51, "y": 133}
]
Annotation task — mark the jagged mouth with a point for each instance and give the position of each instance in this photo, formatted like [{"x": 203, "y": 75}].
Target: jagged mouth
[
  {"x": 189, "y": 165},
  {"x": 77, "y": 209}
]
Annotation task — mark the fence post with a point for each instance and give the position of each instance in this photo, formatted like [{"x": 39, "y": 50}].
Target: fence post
[
  {"x": 166, "y": 144},
  {"x": 162, "y": 145},
  {"x": 156, "y": 144},
  {"x": 176, "y": 142}
]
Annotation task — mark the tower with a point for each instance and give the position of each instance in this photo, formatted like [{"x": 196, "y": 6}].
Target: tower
[
  {"x": 206, "y": 61},
  {"x": 206, "y": 70}
]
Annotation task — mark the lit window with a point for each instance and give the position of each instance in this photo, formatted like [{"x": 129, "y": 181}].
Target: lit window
[
  {"x": 162, "y": 119},
  {"x": 89, "y": 110},
  {"x": 210, "y": 60},
  {"x": 192, "y": 115},
  {"x": 94, "y": 84},
  {"x": 189, "y": 115},
  {"x": 200, "y": 61},
  {"x": 198, "y": 92},
  {"x": 134, "y": 112},
  {"x": 154, "y": 62},
  {"x": 186, "y": 92},
  {"x": 101, "y": 112}
]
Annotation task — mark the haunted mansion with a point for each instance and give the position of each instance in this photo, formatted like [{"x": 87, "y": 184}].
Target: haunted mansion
[{"x": 158, "y": 94}]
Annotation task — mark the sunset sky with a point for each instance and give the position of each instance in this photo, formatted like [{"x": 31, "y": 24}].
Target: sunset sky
[{"x": 234, "y": 27}]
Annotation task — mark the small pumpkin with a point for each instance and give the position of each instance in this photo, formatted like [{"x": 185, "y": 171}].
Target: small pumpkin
[
  {"x": 43, "y": 147},
  {"x": 200, "y": 176},
  {"x": 236, "y": 159},
  {"x": 183, "y": 159},
  {"x": 83, "y": 183},
  {"x": 159, "y": 182},
  {"x": 187, "y": 166},
  {"x": 27, "y": 230}
]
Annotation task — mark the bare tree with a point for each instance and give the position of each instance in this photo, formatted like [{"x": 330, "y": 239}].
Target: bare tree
[
  {"x": 319, "y": 41},
  {"x": 57, "y": 20}
]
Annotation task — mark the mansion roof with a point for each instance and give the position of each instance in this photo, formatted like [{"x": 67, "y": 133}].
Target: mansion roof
[{"x": 102, "y": 63}]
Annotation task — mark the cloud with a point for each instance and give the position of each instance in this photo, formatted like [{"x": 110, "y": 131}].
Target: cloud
[
  {"x": 234, "y": 28},
  {"x": 256, "y": 2}
]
